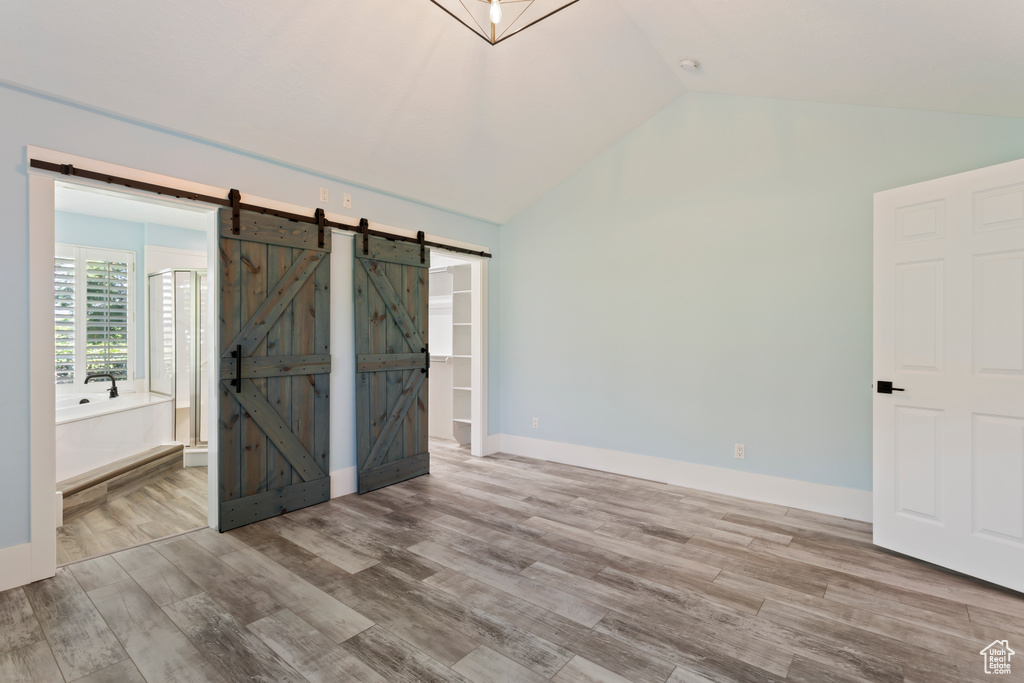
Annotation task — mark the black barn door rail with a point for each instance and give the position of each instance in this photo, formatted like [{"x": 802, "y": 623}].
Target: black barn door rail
[{"x": 320, "y": 221}]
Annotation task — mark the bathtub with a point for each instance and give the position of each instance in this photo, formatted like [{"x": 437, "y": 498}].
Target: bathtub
[{"x": 93, "y": 434}]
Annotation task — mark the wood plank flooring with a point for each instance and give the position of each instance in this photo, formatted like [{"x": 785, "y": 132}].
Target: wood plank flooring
[
  {"x": 506, "y": 569},
  {"x": 173, "y": 503}
]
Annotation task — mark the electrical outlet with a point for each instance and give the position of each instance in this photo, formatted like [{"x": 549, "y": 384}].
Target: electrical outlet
[
  {"x": 325, "y": 195},
  {"x": 536, "y": 423},
  {"x": 740, "y": 451},
  {"x": 348, "y": 200}
]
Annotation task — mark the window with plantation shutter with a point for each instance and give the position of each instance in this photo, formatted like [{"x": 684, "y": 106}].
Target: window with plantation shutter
[
  {"x": 93, "y": 314},
  {"x": 64, "y": 317}
]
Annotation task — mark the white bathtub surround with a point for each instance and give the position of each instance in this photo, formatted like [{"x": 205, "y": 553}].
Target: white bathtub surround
[
  {"x": 70, "y": 407},
  {"x": 197, "y": 457},
  {"x": 104, "y": 430}
]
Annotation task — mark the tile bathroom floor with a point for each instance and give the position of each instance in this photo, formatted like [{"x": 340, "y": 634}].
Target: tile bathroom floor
[{"x": 173, "y": 504}]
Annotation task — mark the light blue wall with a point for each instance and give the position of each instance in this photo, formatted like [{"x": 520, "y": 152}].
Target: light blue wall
[
  {"x": 174, "y": 237},
  {"x": 28, "y": 119},
  {"x": 708, "y": 281}
]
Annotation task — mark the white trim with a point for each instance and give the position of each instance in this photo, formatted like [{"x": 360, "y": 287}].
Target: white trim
[
  {"x": 492, "y": 444},
  {"x": 830, "y": 500},
  {"x": 41, "y": 560},
  {"x": 343, "y": 482},
  {"x": 150, "y": 251},
  {"x": 213, "y": 343},
  {"x": 16, "y": 566},
  {"x": 477, "y": 349}
]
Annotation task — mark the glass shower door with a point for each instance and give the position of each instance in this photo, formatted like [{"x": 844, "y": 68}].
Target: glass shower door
[
  {"x": 178, "y": 366},
  {"x": 202, "y": 362},
  {"x": 161, "y": 334}
]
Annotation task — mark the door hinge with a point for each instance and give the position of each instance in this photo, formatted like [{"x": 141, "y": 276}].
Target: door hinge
[
  {"x": 236, "y": 212},
  {"x": 364, "y": 228},
  {"x": 321, "y": 227}
]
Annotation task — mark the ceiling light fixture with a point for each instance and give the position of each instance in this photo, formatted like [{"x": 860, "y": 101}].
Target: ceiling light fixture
[{"x": 498, "y": 20}]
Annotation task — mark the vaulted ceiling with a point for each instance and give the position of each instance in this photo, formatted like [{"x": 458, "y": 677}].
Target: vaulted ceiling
[{"x": 395, "y": 95}]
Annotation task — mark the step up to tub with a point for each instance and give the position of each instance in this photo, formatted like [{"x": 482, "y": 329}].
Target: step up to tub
[{"x": 88, "y": 491}]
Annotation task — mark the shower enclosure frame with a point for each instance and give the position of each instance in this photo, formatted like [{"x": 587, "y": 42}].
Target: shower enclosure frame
[{"x": 197, "y": 311}]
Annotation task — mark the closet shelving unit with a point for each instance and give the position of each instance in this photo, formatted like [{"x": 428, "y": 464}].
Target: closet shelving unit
[{"x": 462, "y": 336}]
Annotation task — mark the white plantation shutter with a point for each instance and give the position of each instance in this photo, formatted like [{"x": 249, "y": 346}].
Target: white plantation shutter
[
  {"x": 64, "y": 315},
  {"x": 107, "y": 317},
  {"x": 93, "y": 313}
]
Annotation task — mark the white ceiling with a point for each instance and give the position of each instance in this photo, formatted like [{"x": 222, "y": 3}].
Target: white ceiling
[{"x": 397, "y": 96}]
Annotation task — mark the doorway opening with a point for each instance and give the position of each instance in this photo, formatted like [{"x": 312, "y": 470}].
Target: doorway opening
[
  {"x": 131, "y": 369},
  {"x": 457, "y": 329}
]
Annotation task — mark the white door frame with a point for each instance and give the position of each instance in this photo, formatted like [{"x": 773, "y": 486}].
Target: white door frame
[
  {"x": 37, "y": 559},
  {"x": 478, "y": 444}
]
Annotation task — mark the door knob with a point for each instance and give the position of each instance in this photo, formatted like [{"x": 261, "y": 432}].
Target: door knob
[{"x": 885, "y": 387}]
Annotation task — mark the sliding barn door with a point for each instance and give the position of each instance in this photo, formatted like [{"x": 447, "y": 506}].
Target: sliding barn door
[
  {"x": 392, "y": 361},
  {"x": 274, "y": 425}
]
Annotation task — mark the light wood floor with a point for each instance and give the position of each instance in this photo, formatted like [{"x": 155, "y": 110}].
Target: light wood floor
[
  {"x": 174, "y": 503},
  {"x": 504, "y": 569}
]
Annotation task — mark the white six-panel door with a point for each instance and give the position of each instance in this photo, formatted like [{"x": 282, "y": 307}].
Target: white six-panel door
[{"x": 949, "y": 330}]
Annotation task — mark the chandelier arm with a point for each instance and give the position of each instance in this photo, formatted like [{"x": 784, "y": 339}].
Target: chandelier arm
[
  {"x": 523, "y": 28},
  {"x": 463, "y": 3},
  {"x": 513, "y": 22},
  {"x": 470, "y": 28}
]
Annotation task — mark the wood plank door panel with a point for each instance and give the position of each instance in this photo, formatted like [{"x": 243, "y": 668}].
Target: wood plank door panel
[
  {"x": 275, "y": 368},
  {"x": 392, "y": 361}
]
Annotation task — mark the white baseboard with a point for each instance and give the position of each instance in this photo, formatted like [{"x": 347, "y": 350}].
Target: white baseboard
[
  {"x": 831, "y": 500},
  {"x": 492, "y": 444},
  {"x": 343, "y": 482},
  {"x": 16, "y": 566}
]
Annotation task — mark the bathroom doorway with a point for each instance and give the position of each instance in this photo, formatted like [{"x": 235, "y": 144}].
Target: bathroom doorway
[{"x": 131, "y": 307}]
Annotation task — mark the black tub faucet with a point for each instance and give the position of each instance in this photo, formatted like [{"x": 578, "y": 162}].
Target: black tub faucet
[{"x": 113, "y": 382}]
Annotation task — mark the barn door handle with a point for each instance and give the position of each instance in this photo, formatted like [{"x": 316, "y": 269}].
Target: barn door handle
[
  {"x": 885, "y": 387},
  {"x": 237, "y": 381},
  {"x": 426, "y": 361}
]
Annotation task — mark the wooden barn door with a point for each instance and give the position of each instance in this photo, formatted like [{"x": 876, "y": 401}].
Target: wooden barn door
[
  {"x": 274, "y": 426},
  {"x": 392, "y": 361}
]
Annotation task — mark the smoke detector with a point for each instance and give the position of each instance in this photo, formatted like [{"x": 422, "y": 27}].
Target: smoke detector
[{"x": 689, "y": 65}]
